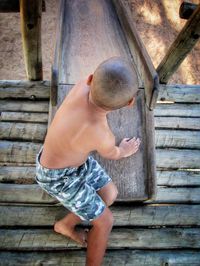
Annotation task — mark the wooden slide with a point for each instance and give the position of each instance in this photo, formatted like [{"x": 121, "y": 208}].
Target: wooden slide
[{"x": 88, "y": 32}]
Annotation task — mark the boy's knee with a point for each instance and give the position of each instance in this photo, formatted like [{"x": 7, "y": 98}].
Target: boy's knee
[
  {"x": 111, "y": 197},
  {"x": 105, "y": 221}
]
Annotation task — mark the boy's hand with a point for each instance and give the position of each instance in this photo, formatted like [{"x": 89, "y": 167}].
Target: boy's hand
[{"x": 129, "y": 146}]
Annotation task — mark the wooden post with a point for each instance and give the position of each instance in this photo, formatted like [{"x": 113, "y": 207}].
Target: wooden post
[
  {"x": 30, "y": 13},
  {"x": 186, "y": 10},
  {"x": 179, "y": 49}
]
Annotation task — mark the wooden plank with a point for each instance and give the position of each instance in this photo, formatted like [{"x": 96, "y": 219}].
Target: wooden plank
[
  {"x": 7, "y": 6},
  {"x": 24, "y": 106},
  {"x": 25, "y": 152},
  {"x": 22, "y": 131},
  {"x": 24, "y": 194},
  {"x": 174, "y": 158},
  {"x": 24, "y": 117},
  {"x": 30, "y": 15},
  {"x": 111, "y": 258},
  {"x": 186, "y": 10},
  {"x": 143, "y": 61},
  {"x": 177, "y": 122},
  {"x": 182, "y": 45},
  {"x": 26, "y": 175},
  {"x": 15, "y": 193},
  {"x": 76, "y": 59},
  {"x": 17, "y": 174},
  {"x": 177, "y": 139},
  {"x": 24, "y": 89},
  {"x": 21, "y": 152},
  {"x": 178, "y": 178},
  {"x": 46, "y": 239},
  {"x": 177, "y": 195},
  {"x": 146, "y": 215},
  {"x": 179, "y": 93},
  {"x": 180, "y": 110}
]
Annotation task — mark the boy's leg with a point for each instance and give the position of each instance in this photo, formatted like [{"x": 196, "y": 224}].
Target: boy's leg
[
  {"x": 108, "y": 193},
  {"x": 66, "y": 227},
  {"x": 98, "y": 238}
]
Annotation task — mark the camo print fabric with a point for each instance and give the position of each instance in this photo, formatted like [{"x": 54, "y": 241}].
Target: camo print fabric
[{"x": 75, "y": 187}]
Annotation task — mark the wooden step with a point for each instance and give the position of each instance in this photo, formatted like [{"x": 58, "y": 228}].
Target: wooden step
[
  {"x": 125, "y": 215},
  {"x": 24, "y": 89},
  {"x": 26, "y": 175},
  {"x": 112, "y": 258},
  {"x": 14, "y": 193},
  {"x": 24, "y": 106},
  {"x": 47, "y": 239}
]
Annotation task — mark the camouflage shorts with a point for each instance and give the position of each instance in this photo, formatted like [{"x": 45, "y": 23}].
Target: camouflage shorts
[{"x": 75, "y": 187}]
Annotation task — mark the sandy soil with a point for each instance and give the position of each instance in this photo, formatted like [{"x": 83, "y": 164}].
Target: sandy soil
[{"x": 157, "y": 21}]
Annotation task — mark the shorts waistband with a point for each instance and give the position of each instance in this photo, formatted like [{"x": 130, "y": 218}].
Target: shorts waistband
[{"x": 54, "y": 171}]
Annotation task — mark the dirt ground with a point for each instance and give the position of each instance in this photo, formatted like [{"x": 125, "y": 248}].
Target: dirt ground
[{"x": 157, "y": 22}]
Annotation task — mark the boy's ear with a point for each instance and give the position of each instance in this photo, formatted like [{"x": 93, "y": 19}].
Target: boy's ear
[
  {"x": 89, "y": 80},
  {"x": 131, "y": 102}
]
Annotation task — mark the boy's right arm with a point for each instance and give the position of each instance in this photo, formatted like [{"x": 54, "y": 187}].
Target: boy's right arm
[{"x": 109, "y": 150}]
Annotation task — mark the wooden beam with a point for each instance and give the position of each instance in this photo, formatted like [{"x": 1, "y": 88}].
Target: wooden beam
[
  {"x": 30, "y": 13},
  {"x": 29, "y": 194},
  {"x": 24, "y": 106},
  {"x": 144, "y": 215},
  {"x": 112, "y": 257},
  {"x": 24, "y": 117},
  {"x": 186, "y": 10},
  {"x": 46, "y": 239},
  {"x": 180, "y": 110},
  {"x": 177, "y": 122},
  {"x": 32, "y": 90},
  {"x": 7, "y": 6},
  {"x": 179, "y": 93},
  {"x": 23, "y": 131},
  {"x": 179, "y": 49}
]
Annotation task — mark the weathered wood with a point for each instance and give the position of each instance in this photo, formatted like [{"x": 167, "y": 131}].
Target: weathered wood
[
  {"x": 26, "y": 175},
  {"x": 24, "y": 131},
  {"x": 24, "y": 106},
  {"x": 76, "y": 59},
  {"x": 174, "y": 158},
  {"x": 7, "y": 6},
  {"x": 111, "y": 258},
  {"x": 177, "y": 122},
  {"x": 17, "y": 174},
  {"x": 149, "y": 215},
  {"x": 177, "y": 139},
  {"x": 24, "y": 117},
  {"x": 21, "y": 152},
  {"x": 143, "y": 61},
  {"x": 24, "y": 194},
  {"x": 178, "y": 178},
  {"x": 182, "y": 45},
  {"x": 30, "y": 14},
  {"x": 25, "y": 152},
  {"x": 24, "y": 89},
  {"x": 46, "y": 239},
  {"x": 181, "y": 110},
  {"x": 34, "y": 194},
  {"x": 186, "y": 10},
  {"x": 179, "y": 93}
]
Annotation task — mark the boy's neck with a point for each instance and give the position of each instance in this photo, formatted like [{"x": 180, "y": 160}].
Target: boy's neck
[{"x": 95, "y": 108}]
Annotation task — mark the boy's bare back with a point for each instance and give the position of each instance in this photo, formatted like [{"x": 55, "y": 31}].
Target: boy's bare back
[{"x": 75, "y": 131}]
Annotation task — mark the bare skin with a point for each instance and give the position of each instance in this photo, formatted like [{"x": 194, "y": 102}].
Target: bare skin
[{"x": 78, "y": 128}]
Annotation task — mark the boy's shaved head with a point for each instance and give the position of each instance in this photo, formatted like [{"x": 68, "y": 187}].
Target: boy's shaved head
[{"x": 114, "y": 83}]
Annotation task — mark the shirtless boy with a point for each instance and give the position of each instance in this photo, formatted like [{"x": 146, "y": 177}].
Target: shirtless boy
[{"x": 64, "y": 167}]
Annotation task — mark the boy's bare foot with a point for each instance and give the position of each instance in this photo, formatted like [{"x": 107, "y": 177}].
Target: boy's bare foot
[{"x": 79, "y": 236}]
